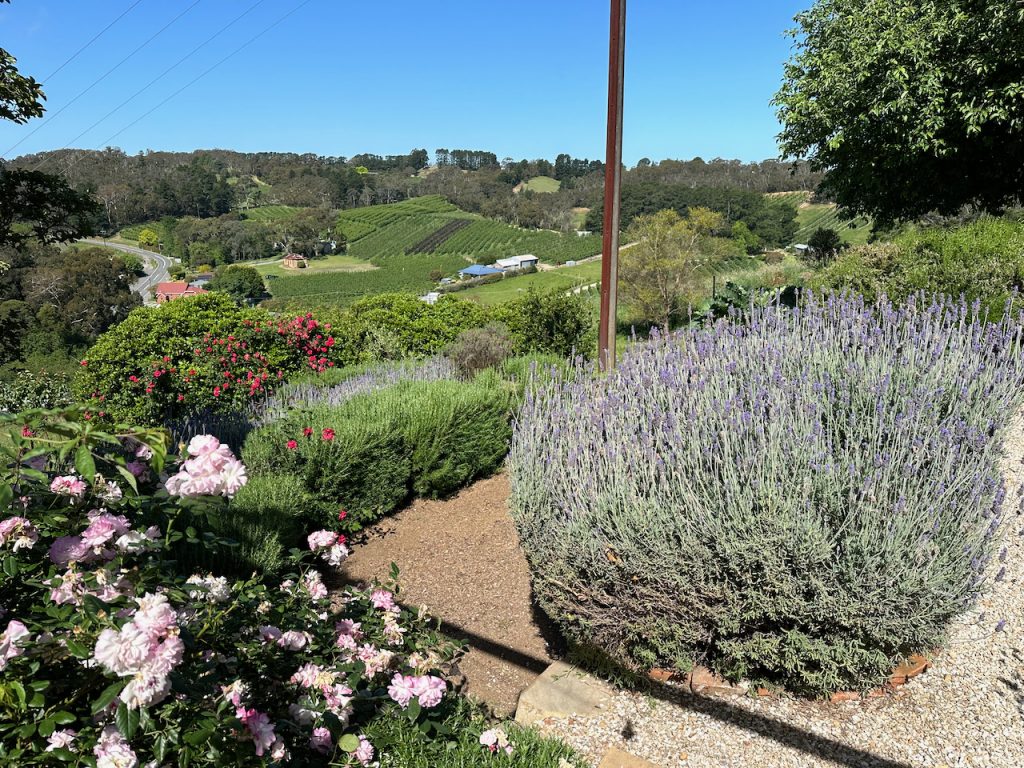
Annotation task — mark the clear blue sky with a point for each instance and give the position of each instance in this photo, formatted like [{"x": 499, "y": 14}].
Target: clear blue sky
[{"x": 522, "y": 78}]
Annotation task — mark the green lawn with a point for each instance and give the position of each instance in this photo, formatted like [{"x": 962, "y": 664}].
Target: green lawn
[
  {"x": 338, "y": 262},
  {"x": 543, "y": 184},
  {"x": 814, "y": 216},
  {"x": 269, "y": 213},
  {"x": 564, "y": 278}
]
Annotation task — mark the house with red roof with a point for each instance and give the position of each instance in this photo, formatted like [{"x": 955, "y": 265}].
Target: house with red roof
[{"x": 175, "y": 290}]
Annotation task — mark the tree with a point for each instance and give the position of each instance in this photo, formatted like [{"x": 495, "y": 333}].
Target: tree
[
  {"x": 908, "y": 107},
  {"x": 21, "y": 97},
  {"x": 34, "y": 204},
  {"x": 148, "y": 238},
  {"x": 826, "y": 243},
  {"x": 664, "y": 270},
  {"x": 240, "y": 282}
]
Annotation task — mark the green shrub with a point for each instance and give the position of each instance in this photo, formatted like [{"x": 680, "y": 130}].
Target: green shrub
[
  {"x": 557, "y": 322},
  {"x": 424, "y": 438},
  {"x": 195, "y": 355},
  {"x": 267, "y": 517},
  {"x": 480, "y": 348},
  {"x": 982, "y": 261}
]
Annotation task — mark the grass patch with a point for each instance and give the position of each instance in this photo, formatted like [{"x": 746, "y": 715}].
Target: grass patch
[
  {"x": 543, "y": 184},
  {"x": 564, "y": 278},
  {"x": 269, "y": 213},
  {"x": 338, "y": 262}
]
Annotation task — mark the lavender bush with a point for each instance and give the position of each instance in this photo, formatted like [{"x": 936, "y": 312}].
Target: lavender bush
[{"x": 800, "y": 500}]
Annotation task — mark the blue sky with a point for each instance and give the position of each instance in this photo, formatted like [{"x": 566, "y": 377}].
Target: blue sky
[{"x": 522, "y": 78}]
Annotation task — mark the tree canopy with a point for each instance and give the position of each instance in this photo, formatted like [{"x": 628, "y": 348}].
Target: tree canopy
[{"x": 908, "y": 106}]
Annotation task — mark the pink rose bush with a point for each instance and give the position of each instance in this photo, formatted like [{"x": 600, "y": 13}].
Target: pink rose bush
[{"x": 128, "y": 658}]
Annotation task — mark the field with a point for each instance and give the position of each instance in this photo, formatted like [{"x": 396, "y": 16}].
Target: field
[
  {"x": 543, "y": 184},
  {"x": 568, "y": 278},
  {"x": 564, "y": 278},
  {"x": 812, "y": 216},
  {"x": 336, "y": 263},
  {"x": 269, "y": 213}
]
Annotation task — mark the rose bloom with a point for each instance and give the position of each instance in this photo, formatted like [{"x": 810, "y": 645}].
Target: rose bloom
[
  {"x": 19, "y": 531},
  {"x": 68, "y": 485},
  {"x": 402, "y": 689},
  {"x": 292, "y": 445},
  {"x": 327, "y": 434},
  {"x": 321, "y": 540},
  {"x": 364, "y": 753},
  {"x": 321, "y": 741},
  {"x": 383, "y": 600},
  {"x": 11, "y": 641},
  {"x": 61, "y": 739}
]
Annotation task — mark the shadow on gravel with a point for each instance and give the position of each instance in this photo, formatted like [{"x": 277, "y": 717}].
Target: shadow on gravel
[{"x": 719, "y": 709}]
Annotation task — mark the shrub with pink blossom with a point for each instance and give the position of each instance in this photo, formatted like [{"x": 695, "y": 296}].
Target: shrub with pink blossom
[{"x": 111, "y": 655}]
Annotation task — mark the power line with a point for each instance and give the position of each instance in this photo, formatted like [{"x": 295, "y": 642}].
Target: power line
[
  {"x": 100, "y": 79},
  {"x": 194, "y": 80},
  {"x": 93, "y": 40},
  {"x": 167, "y": 71}
]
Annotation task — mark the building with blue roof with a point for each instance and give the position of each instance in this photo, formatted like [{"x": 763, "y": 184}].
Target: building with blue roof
[{"x": 478, "y": 270}]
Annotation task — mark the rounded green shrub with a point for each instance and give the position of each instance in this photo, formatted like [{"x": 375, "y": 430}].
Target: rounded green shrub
[{"x": 800, "y": 500}]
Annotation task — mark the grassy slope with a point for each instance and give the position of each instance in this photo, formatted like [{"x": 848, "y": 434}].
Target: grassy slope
[
  {"x": 543, "y": 184},
  {"x": 565, "y": 278},
  {"x": 811, "y": 216}
]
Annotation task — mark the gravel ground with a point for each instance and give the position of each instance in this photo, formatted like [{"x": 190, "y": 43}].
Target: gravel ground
[
  {"x": 967, "y": 710},
  {"x": 461, "y": 558}
]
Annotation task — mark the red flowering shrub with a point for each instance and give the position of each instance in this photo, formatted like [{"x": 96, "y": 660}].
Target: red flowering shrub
[{"x": 198, "y": 354}]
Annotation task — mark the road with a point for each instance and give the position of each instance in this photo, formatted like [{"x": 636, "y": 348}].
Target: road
[{"x": 157, "y": 266}]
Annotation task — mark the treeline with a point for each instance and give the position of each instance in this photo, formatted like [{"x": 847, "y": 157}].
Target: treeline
[
  {"x": 771, "y": 222},
  {"x": 210, "y": 183}
]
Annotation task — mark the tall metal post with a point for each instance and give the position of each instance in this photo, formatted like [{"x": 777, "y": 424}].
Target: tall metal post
[{"x": 612, "y": 186}]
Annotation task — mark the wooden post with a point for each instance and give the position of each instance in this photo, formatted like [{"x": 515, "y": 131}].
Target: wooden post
[{"x": 612, "y": 186}]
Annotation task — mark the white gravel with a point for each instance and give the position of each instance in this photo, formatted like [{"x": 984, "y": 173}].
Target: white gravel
[{"x": 967, "y": 710}]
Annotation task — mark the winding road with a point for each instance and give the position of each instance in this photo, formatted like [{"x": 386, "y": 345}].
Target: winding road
[{"x": 157, "y": 266}]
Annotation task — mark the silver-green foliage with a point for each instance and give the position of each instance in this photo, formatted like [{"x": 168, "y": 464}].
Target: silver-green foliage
[{"x": 799, "y": 500}]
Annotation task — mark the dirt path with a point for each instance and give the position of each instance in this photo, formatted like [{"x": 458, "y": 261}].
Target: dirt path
[{"x": 461, "y": 558}]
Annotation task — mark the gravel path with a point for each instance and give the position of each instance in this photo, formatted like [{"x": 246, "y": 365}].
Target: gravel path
[
  {"x": 461, "y": 558},
  {"x": 967, "y": 710}
]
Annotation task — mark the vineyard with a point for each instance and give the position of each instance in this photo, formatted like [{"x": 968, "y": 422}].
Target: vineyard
[
  {"x": 395, "y": 273},
  {"x": 432, "y": 243},
  {"x": 814, "y": 217}
]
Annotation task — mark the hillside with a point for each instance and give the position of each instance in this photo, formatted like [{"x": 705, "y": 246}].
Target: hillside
[
  {"x": 406, "y": 246},
  {"x": 812, "y": 216}
]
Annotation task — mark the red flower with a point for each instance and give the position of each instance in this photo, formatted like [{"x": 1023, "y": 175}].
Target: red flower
[
  {"x": 133, "y": 378},
  {"x": 26, "y": 432},
  {"x": 307, "y": 431},
  {"x": 180, "y": 398},
  {"x": 216, "y": 391},
  {"x": 342, "y": 514},
  {"x": 292, "y": 445},
  {"x": 327, "y": 434},
  {"x": 84, "y": 362}
]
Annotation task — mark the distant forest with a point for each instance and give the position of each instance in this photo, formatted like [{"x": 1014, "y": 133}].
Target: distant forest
[{"x": 150, "y": 185}]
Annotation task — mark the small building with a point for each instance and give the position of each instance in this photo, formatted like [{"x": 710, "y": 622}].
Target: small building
[
  {"x": 446, "y": 281},
  {"x": 478, "y": 270},
  {"x": 176, "y": 290},
  {"x": 802, "y": 248},
  {"x": 295, "y": 261},
  {"x": 517, "y": 262},
  {"x": 431, "y": 298}
]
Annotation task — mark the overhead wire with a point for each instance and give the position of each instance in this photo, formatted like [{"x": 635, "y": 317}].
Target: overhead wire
[
  {"x": 99, "y": 80},
  {"x": 166, "y": 72},
  {"x": 194, "y": 80},
  {"x": 94, "y": 38}
]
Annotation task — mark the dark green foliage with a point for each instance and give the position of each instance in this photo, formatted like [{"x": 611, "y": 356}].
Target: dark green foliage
[
  {"x": 239, "y": 282},
  {"x": 38, "y": 205},
  {"x": 557, "y": 323},
  {"x": 983, "y": 261},
  {"x": 826, "y": 243},
  {"x": 772, "y": 222},
  {"x": 427, "y": 439},
  {"x": 908, "y": 107}
]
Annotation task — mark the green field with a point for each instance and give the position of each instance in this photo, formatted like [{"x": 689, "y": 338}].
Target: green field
[
  {"x": 339, "y": 262},
  {"x": 815, "y": 216},
  {"x": 269, "y": 213},
  {"x": 563, "y": 278},
  {"x": 543, "y": 184}
]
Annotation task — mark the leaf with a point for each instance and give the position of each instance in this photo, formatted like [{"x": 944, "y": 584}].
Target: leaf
[
  {"x": 19, "y": 691},
  {"x": 128, "y": 478},
  {"x": 196, "y": 738},
  {"x": 126, "y": 720},
  {"x": 63, "y": 717},
  {"x": 413, "y": 710},
  {"x": 6, "y": 496},
  {"x": 47, "y": 727},
  {"x": 85, "y": 465},
  {"x": 78, "y": 650},
  {"x": 349, "y": 742},
  {"x": 108, "y": 695},
  {"x": 11, "y": 566}
]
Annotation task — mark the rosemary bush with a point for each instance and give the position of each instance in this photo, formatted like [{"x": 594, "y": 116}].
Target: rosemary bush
[{"x": 799, "y": 500}]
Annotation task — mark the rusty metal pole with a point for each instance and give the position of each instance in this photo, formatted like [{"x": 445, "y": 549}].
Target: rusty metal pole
[{"x": 612, "y": 187}]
